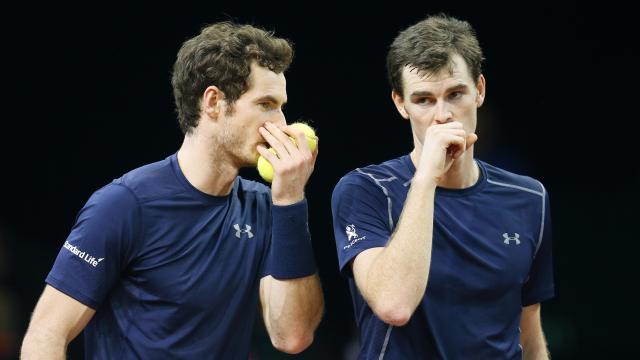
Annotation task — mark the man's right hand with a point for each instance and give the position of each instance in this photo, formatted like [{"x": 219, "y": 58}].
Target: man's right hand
[
  {"x": 442, "y": 145},
  {"x": 292, "y": 166}
]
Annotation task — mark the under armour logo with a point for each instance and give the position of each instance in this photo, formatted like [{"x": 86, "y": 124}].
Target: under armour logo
[
  {"x": 246, "y": 230},
  {"x": 515, "y": 237},
  {"x": 351, "y": 232}
]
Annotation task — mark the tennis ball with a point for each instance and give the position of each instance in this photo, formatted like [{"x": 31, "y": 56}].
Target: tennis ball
[
  {"x": 312, "y": 139},
  {"x": 264, "y": 166}
]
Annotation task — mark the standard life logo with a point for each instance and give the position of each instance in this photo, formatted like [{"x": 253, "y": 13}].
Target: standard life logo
[{"x": 85, "y": 256}]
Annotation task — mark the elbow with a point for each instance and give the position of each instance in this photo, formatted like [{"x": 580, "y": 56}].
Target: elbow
[
  {"x": 293, "y": 343},
  {"x": 393, "y": 314}
]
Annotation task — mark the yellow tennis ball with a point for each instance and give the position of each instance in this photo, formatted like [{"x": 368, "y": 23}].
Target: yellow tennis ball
[
  {"x": 308, "y": 131},
  {"x": 265, "y": 169}
]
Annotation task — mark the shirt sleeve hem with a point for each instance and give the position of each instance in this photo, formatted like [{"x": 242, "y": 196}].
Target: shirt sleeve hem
[
  {"x": 547, "y": 295},
  {"x": 67, "y": 290},
  {"x": 345, "y": 269}
]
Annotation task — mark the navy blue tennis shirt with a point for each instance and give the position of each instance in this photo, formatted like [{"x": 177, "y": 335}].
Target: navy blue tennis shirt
[
  {"x": 491, "y": 255},
  {"x": 172, "y": 272}
]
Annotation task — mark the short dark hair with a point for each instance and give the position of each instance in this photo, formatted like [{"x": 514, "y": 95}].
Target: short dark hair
[
  {"x": 221, "y": 55},
  {"x": 429, "y": 46}
]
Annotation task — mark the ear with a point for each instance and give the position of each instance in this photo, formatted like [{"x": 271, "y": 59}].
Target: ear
[
  {"x": 481, "y": 87},
  {"x": 212, "y": 102},
  {"x": 399, "y": 102}
]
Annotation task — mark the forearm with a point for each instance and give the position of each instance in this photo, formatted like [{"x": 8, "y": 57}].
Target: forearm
[
  {"x": 43, "y": 344},
  {"x": 534, "y": 345},
  {"x": 293, "y": 311},
  {"x": 291, "y": 296},
  {"x": 397, "y": 278},
  {"x": 535, "y": 351}
]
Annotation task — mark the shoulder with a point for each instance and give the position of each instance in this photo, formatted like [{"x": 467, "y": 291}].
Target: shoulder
[
  {"x": 152, "y": 181},
  {"x": 374, "y": 183},
  {"x": 374, "y": 175},
  {"x": 109, "y": 210},
  {"x": 394, "y": 169},
  {"x": 111, "y": 199},
  {"x": 506, "y": 180}
]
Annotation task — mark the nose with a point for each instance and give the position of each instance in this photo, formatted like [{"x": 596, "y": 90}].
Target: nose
[
  {"x": 442, "y": 114},
  {"x": 279, "y": 119}
]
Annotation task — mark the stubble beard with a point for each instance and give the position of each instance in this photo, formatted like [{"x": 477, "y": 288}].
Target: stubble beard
[{"x": 235, "y": 149}]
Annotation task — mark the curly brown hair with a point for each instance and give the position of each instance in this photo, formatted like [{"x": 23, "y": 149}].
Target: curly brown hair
[
  {"x": 221, "y": 55},
  {"x": 429, "y": 45}
]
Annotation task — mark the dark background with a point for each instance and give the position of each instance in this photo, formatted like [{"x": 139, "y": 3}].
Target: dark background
[{"x": 86, "y": 97}]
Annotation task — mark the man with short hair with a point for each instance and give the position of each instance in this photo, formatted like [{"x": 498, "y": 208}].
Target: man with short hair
[
  {"x": 171, "y": 259},
  {"x": 447, "y": 257}
]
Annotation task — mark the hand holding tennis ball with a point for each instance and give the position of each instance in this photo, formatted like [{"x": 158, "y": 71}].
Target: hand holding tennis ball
[{"x": 264, "y": 167}]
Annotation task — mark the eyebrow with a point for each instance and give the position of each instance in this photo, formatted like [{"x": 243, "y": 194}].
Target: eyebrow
[
  {"x": 270, "y": 99},
  {"x": 428, "y": 93}
]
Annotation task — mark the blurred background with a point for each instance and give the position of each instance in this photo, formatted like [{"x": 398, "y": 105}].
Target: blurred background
[{"x": 86, "y": 97}]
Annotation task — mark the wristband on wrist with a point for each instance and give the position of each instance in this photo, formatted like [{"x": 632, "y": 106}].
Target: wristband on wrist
[{"x": 291, "y": 253}]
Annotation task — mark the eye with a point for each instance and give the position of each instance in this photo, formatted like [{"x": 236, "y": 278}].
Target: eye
[
  {"x": 266, "y": 106},
  {"x": 422, "y": 100},
  {"x": 455, "y": 95}
]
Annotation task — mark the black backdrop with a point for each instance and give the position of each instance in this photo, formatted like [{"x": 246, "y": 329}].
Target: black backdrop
[{"x": 86, "y": 97}]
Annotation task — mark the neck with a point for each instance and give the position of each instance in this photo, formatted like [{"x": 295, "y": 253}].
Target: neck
[
  {"x": 462, "y": 174},
  {"x": 206, "y": 166}
]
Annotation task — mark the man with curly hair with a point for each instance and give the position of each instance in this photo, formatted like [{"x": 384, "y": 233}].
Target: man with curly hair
[{"x": 172, "y": 259}]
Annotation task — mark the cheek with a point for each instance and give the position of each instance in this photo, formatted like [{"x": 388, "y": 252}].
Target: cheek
[
  {"x": 416, "y": 111},
  {"x": 469, "y": 111},
  {"x": 418, "y": 128},
  {"x": 419, "y": 118}
]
